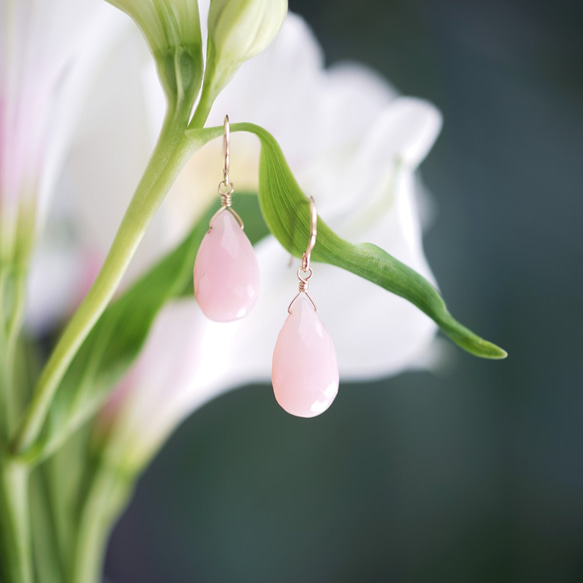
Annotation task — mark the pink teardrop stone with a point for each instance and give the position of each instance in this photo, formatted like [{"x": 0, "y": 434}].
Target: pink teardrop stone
[
  {"x": 226, "y": 274},
  {"x": 305, "y": 370}
]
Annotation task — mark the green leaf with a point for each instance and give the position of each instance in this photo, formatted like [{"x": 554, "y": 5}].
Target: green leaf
[{"x": 286, "y": 210}]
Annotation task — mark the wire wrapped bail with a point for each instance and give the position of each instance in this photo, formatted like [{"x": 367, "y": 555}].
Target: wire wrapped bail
[
  {"x": 304, "y": 275},
  {"x": 225, "y": 191}
]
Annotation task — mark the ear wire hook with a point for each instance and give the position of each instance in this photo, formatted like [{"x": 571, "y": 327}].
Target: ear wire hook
[
  {"x": 305, "y": 272},
  {"x": 226, "y": 187},
  {"x": 313, "y": 234},
  {"x": 227, "y": 148}
]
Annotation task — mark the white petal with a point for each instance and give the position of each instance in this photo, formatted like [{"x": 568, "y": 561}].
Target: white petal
[
  {"x": 180, "y": 368},
  {"x": 69, "y": 104},
  {"x": 400, "y": 138}
]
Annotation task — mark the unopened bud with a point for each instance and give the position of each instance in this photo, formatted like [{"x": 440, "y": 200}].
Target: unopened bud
[{"x": 238, "y": 31}]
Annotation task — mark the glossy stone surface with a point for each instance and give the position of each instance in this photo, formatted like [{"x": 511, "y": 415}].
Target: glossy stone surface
[
  {"x": 226, "y": 274},
  {"x": 305, "y": 369}
]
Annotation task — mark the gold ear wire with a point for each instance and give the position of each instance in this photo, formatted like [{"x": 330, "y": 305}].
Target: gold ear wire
[
  {"x": 305, "y": 272},
  {"x": 226, "y": 187}
]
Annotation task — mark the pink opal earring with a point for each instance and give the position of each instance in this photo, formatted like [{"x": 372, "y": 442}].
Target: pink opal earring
[
  {"x": 226, "y": 274},
  {"x": 305, "y": 370}
]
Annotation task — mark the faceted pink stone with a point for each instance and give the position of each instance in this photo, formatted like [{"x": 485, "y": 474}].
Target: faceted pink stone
[
  {"x": 305, "y": 370},
  {"x": 226, "y": 275}
]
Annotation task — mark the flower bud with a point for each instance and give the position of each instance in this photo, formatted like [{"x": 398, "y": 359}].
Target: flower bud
[
  {"x": 241, "y": 29},
  {"x": 172, "y": 30},
  {"x": 238, "y": 30}
]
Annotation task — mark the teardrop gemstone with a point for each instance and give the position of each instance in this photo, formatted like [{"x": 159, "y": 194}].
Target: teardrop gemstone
[
  {"x": 226, "y": 274},
  {"x": 305, "y": 370}
]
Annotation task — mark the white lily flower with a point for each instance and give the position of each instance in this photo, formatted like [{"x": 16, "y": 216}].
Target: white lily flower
[{"x": 355, "y": 146}]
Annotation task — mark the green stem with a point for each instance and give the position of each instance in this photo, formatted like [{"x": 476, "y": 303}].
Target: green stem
[
  {"x": 211, "y": 88},
  {"x": 202, "y": 109},
  {"x": 102, "y": 504},
  {"x": 169, "y": 157},
  {"x": 15, "y": 544},
  {"x": 14, "y": 396},
  {"x": 14, "y": 523},
  {"x": 49, "y": 561},
  {"x": 4, "y": 368}
]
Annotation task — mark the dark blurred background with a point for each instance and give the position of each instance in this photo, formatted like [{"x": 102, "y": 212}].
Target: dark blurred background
[{"x": 475, "y": 475}]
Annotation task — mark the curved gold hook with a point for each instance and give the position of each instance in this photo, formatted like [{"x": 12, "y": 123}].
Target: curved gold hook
[
  {"x": 226, "y": 187},
  {"x": 313, "y": 234}
]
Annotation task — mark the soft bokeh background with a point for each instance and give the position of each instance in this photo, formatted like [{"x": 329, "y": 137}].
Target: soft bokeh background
[{"x": 472, "y": 475}]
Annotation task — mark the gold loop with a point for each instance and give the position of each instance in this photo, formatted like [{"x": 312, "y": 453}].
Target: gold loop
[
  {"x": 309, "y": 271},
  {"x": 226, "y": 188}
]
